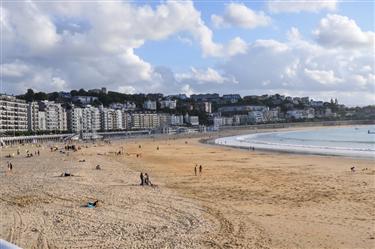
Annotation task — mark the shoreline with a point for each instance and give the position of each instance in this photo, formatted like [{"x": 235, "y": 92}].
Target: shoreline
[
  {"x": 224, "y": 129},
  {"x": 282, "y": 150}
]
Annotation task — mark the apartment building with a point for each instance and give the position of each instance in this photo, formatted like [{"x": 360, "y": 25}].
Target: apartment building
[
  {"x": 128, "y": 106},
  {"x": 33, "y": 116},
  {"x": 126, "y": 120},
  {"x": 149, "y": 105},
  {"x": 84, "y": 119},
  {"x": 165, "y": 119},
  {"x": 91, "y": 119},
  {"x": 145, "y": 121},
  {"x": 192, "y": 120},
  {"x": 240, "y": 119},
  {"x": 231, "y": 98},
  {"x": 55, "y": 116},
  {"x": 241, "y": 108},
  {"x": 168, "y": 104},
  {"x": 222, "y": 121},
  {"x": 256, "y": 116},
  {"x": 301, "y": 113},
  {"x": 42, "y": 121},
  {"x": 117, "y": 120},
  {"x": 84, "y": 100},
  {"x": 204, "y": 106},
  {"x": 75, "y": 119},
  {"x": 106, "y": 119},
  {"x": 13, "y": 114},
  {"x": 177, "y": 119}
]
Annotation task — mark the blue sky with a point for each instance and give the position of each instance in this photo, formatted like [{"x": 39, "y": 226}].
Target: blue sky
[
  {"x": 321, "y": 49},
  {"x": 164, "y": 52}
]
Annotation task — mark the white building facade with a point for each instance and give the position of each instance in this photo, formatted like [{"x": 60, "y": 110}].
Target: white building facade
[
  {"x": 55, "y": 116},
  {"x": 13, "y": 114}
]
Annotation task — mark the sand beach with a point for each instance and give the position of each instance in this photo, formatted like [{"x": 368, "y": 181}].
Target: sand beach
[{"x": 242, "y": 199}]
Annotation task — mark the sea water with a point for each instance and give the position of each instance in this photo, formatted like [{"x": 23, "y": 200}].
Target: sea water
[{"x": 357, "y": 141}]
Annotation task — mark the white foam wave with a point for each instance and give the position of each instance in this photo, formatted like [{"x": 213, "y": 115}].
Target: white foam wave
[{"x": 252, "y": 140}]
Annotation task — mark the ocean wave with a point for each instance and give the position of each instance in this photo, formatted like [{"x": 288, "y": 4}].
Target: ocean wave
[
  {"x": 255, "y": 140},
  {"x": 325, "y": 140},
  {"x": 313, "y": 146}
]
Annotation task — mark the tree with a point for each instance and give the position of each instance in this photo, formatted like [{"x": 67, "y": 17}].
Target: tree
[
  {"x": 29, "y": 96},
  {"x": 53, "y": 96},
  {"x": 96, "y": 103},
  {"x": 73, "y": 92},
  {"x": 39, "y": 96},
  {"x": 82, "y": 92}
]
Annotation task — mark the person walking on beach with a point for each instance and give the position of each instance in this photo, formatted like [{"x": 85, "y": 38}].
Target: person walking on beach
[
  {"x": 142, "y": 179},
  {"x": 10, "y": 166},
  {"x": 200, "y": 169},
  {"x": 195, "y": 170},
  {"x": 147, "y": 179}
]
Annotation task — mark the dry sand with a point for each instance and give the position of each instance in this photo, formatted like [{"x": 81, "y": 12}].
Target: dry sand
[{"x": 243, "y": 199}]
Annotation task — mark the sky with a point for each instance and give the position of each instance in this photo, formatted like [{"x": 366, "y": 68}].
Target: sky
[{"x": 323, "y": 49}]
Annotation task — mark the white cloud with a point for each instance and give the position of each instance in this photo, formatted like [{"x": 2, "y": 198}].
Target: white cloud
[
  {"x": 205, "y": 76},
  {"x": 293, "y": 34},
  {"x": 273, "y": 45},
  {"x": 277, "y": 6},
  {"x": 45, "y": 54},
  {"x": 322, "y": 77},
  {"x": 299, "y": 65},
  {"x": 237, "y": 14},
  {"x": 185, "y": 40},
  {"x": 94, "y": 44},
  {"x": 186, "y": 89},
  {"x": 236, "y": 46},
  {"x": 28, "y": 25},
  {"x": 127, "y": 89},
  {"x": 336, "y": 30},
  {"x": 58, "y": 84},
  {"x": 15, "y": 69}
]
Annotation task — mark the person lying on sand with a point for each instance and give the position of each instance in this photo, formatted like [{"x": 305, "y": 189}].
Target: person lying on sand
[
  {"x": 92, "y": 204},
  {"x": 65, "y": 174},
  {"x": 352, "y": 169},
  {"x": 98, "y": 167}
]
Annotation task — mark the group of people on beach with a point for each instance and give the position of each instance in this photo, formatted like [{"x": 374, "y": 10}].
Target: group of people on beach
[
  {"x": 10, "y": 166},
  {"x": 72, "y": 147},
  {"x": 145, "y": 180},
  {"x": 30, "y": 154},
  {"x": 196, "y": 168}
]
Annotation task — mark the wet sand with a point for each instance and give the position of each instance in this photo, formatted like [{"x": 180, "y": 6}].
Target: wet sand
[{"x": 242, "y": 199}]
